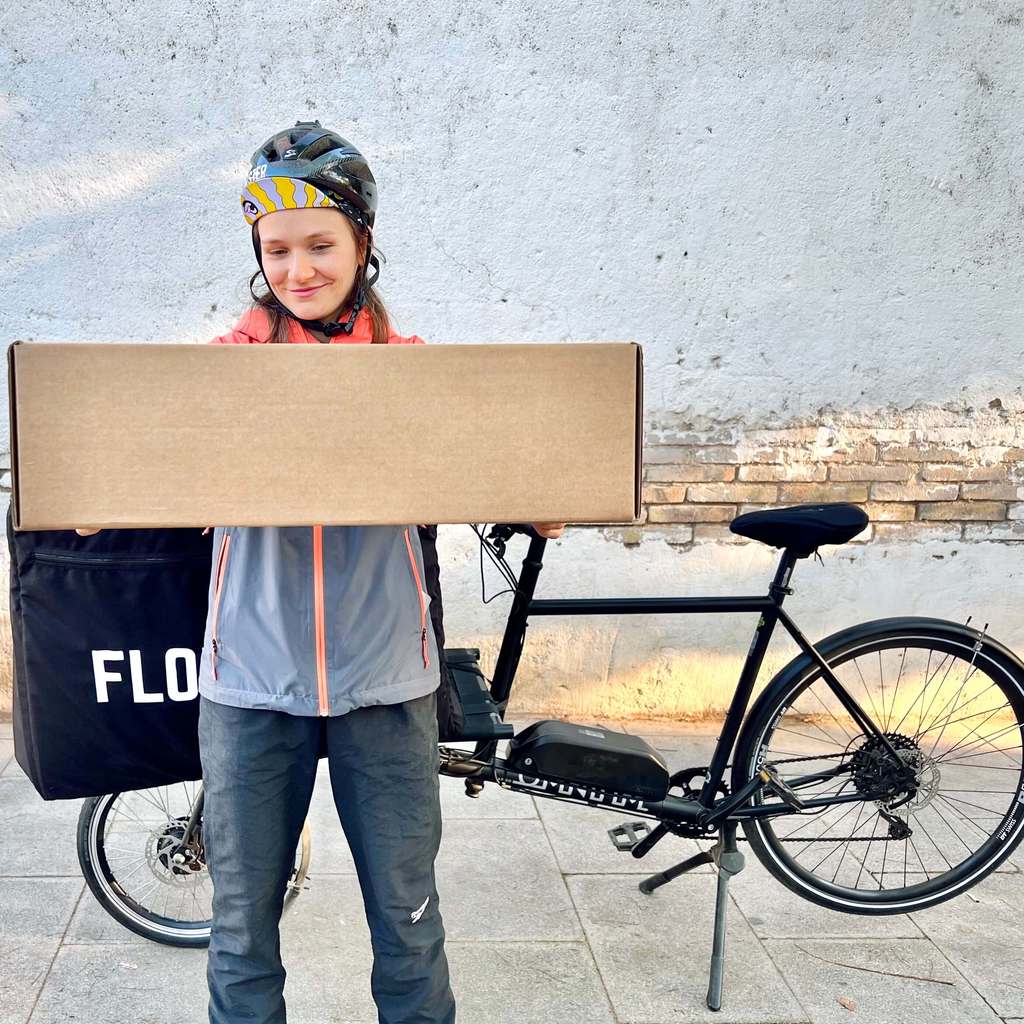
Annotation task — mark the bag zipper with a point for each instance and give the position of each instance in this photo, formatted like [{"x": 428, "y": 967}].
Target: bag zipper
[
  {"x": 423, "y": 604},
  {"x": 62, "y": 558},
  {"x": 222, "y": 564}
]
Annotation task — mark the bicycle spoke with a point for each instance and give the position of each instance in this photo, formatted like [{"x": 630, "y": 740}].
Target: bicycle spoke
[
  {"x": 145, "y": 799},
  {"x": 896, "y": 693},
  {"x": 828, "y": 739},
  {"x": 816, "y": 819},
  {"x": 920, "y": 697},
  {"x": 955, "y": 698},
  {"x": 146, "y": 825},
  {"x": 846, "y": 731},
  {"x": 969, "y": 803},
  {"x": 966, "y": 703},
  {"x": 874, "y": 828},
  {"x": 881, "y": 874},
  {"x": 917, "y": 853},
  {"x": 993, "y": 792},
  {"x": 920, "y": 824},
  {"x": 984, "y": 741},
  {"x": 980, "y": 739},
  {"x": 884, "y": 724},
  {"x": 956, "y": 834},
  {"x": 846, "y": 845},
  {"x": 966, "y": 718},
  {"x": 867, "y": 691},
  {"x": 938, "y": 690}
]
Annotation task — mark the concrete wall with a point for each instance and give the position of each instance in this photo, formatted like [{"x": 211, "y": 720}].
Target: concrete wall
[{"x": 810, "y": 216}]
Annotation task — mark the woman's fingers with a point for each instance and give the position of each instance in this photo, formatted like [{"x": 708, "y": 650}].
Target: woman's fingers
[{"x": 549, "y": 530}]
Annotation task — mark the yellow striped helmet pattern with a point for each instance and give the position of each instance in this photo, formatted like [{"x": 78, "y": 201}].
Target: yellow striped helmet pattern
[{"x": 266, "y": 195}]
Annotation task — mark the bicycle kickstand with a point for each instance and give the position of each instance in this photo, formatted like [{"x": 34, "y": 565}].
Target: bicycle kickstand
[{"x": 730, "y": 862}]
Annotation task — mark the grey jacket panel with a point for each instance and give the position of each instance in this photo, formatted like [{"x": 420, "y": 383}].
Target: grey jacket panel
[{"x": 265, "y": 618}]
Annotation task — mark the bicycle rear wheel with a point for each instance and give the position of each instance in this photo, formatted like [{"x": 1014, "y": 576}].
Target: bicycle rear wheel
[{"x": 951, "y": 703}]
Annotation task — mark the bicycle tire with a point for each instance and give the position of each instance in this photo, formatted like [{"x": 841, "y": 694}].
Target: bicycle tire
[
  {"x": 119, "y": 904},
  {"x": 780, "y": 850}
]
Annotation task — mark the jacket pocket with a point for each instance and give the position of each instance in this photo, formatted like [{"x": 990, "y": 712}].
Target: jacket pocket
[
  {"x": 422, "y": 598},
  {"x": 222, "y": 566}
]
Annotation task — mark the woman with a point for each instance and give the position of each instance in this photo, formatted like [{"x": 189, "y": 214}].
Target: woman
[{"x": 317, "y": 640}]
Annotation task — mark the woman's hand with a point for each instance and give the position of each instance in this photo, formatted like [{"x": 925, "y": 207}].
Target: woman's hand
[
  {"x": 87, "y": 531},
  {"x": 549, "y": 530}
]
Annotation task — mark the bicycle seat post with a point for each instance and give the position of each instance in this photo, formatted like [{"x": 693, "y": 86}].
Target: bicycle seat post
[{"x": 780, "y": 588}]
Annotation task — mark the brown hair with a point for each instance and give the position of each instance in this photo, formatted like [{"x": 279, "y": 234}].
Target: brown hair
[{"x": 372, "y": 302}]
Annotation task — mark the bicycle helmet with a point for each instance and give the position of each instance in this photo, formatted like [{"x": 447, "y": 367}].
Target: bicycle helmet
[{"x": 307, "y": 166}]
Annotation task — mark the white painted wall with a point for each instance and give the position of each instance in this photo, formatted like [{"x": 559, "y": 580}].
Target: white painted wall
[{"x": 799, "y": 211}]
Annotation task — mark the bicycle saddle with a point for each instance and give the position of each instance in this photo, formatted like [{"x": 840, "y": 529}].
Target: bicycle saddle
[{"x": 802, "y": 528}]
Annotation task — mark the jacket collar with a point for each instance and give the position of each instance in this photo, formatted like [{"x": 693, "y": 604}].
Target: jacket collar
[{"x": 255, "y": 323}]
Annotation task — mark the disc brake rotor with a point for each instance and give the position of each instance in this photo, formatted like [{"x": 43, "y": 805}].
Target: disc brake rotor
[{"x": 167, "y": 860}]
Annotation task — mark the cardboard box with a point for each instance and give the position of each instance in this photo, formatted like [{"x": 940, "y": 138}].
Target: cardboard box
[{"x": 140, "y": 435}]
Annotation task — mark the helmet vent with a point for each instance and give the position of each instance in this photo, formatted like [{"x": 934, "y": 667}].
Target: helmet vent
[{"x": 318, "y": 148}]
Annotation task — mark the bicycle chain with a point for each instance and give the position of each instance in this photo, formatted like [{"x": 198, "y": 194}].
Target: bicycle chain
[{"x": 848, "y": 839}]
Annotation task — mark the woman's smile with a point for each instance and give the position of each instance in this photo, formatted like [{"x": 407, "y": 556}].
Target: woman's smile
[{"x": 304, "y": 293}]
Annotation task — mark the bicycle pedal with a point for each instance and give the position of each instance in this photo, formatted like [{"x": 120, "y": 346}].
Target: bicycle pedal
[
  {"x": 782, "y": 790},
  {"x": 625, "y": 836}
]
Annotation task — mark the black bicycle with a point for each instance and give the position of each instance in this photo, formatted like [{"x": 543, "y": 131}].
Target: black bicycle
[{"x": 881, "y": 771}]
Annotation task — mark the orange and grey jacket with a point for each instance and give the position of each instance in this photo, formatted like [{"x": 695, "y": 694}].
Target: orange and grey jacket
[{"x": 317, "y": 620}]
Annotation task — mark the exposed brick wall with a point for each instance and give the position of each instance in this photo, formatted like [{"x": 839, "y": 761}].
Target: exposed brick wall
[
  {"x": 950, "y": 482},
  {"x": 968, "y": 487}
]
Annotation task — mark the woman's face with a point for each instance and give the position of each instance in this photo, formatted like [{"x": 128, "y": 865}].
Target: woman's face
[{"x": 310, "y": 259}]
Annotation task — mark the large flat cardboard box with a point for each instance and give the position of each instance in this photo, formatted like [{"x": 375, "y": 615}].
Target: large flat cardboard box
[{"x": 142, "y": 435}]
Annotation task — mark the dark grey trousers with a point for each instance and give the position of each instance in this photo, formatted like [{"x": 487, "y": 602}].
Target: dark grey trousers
[{"x": 258, "y": 773}]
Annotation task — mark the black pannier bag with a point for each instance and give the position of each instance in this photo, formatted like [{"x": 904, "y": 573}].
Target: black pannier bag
[{"x": 107, "y": 634}]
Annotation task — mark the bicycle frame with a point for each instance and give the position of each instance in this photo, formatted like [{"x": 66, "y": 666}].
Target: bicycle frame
[{"x": 705, "y": 811}]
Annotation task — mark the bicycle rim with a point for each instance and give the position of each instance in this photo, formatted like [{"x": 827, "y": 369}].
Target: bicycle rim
[
  {"x": 954, "y": 713},
  {"x": 129, "y": 838}
]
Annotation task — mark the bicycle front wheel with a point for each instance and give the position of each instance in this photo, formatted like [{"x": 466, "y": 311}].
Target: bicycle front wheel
[
  {"x": 130, "y": 852},
  {"x": 951, "y": 703}
]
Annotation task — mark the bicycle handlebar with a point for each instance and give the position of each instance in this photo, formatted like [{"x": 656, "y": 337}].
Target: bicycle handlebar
[{"x": 501, "y": 533}]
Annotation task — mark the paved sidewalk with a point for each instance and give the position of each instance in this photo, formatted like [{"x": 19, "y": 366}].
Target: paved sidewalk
[{"x": 545, "y": 924}]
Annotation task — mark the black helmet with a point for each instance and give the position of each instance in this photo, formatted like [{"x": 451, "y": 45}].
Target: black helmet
[
  {"x": 309, "y": 166},
  {"x": 312, "y": 154}
]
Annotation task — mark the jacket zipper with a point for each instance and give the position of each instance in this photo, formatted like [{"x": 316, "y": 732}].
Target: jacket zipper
[
  {"x": 222, "y": 564},
  {"x": 423, "y": 604},
  {"x": 318, "y": 607}
]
